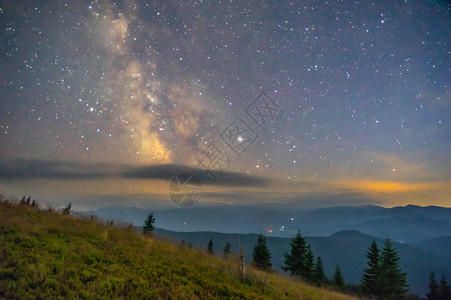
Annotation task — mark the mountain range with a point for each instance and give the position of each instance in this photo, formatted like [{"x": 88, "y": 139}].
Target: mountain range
[
  {"x": 341, "y": 235},
  {"x": 409, "y": 224}
]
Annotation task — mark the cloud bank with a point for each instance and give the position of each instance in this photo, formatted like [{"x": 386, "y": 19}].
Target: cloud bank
[{"x": 53, "y": 169}]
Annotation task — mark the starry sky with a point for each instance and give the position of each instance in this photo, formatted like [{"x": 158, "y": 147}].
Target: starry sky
[{"x": 102, "y": 102}]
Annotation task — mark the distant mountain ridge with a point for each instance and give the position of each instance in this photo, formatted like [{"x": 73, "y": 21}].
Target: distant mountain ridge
[
  {"x": 409, "y": 224},
  {"x": 439, "y": 246}
]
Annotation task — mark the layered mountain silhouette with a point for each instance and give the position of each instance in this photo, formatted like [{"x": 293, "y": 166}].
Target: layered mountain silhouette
[
  {"x": 408, "y": 224},
  {"x": 341, "y": 235},
  {"x": 439, "y": 246}
]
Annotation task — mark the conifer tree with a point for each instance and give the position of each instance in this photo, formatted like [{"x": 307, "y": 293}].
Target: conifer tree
[
  {"x": 433, "y": 293},
  {"x": 67, "y": 209},
  {"x": 261, "y": 256},
  {"x": 338, "y": 279},
  {"x": 392, "y": 281},
  {"x": 319, "y": 275},
  {"x": 210, "y": 247},
  {"x": 295, "y": 261},
  {"x": 309, "y": 265},
  {"x": 444, "y": 290},
  {"x": 370, "y": 279},
  {"x": 226, "y": 252},
  {"x": 149, "y": 224}
]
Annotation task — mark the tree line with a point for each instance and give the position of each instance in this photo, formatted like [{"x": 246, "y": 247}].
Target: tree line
[
  {"x": 438, "y": 292},
  {"x": 382, "y": 278}
]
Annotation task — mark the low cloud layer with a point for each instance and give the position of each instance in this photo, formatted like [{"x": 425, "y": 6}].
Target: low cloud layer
[{"x": 52, "y": 169}]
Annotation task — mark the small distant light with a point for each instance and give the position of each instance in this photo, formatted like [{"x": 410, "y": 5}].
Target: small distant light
[{"x": 292, "y": 219}]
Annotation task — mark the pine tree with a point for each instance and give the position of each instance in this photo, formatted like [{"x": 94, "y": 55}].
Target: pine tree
[
  {"x": 338, "y": 279},
  {"x": 261, "y": 256},
  {"x": 392, "y": 280},
  {"x": 67, "y": 209},
  {"x": 444, "y": 290},
  {"x": 309, "y": 265},
  {"x": 433, "y": 288},
  {"x": 226, "y": 252},
  {"x": 295, "y": 262},
  {"x": 319, "y": 275},
  {"x": 149, "y": 224},
  {"x": 210, "y": 249},
  {"x": 370, "y": 277}
]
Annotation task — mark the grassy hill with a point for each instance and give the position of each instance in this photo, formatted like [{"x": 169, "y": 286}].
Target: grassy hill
[{"x": 45, "y": 254}]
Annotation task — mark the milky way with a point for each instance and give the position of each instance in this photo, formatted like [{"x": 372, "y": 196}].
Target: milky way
[{"x": 364, "y": 88}]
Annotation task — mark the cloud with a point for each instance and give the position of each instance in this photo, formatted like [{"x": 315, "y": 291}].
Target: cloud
[
  {"x": 277, "y": 199},
  {"x": 53, "y": 169},
  {"x": 373, "y": 186},
  {"x": 167, "y": 171}
]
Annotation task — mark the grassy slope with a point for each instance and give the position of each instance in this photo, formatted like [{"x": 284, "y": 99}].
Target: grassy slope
[{"x": 46, "y": 254}]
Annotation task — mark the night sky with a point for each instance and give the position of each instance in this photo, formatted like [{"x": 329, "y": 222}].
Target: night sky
[{"x": 101, "y": 102}]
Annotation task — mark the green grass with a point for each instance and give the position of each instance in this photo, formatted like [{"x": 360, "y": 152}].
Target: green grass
[{"x": 44, "y": 254}]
